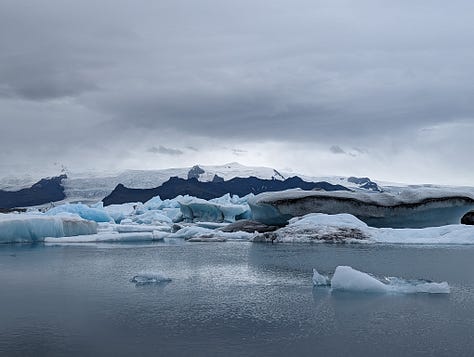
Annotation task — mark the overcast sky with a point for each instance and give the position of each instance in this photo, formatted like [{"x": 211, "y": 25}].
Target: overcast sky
[{"x": 376, "y": 88}]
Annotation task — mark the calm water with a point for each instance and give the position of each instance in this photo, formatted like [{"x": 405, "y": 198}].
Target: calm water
[{"x": 229, "y": 299}]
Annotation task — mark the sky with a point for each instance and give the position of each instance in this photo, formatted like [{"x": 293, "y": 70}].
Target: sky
[{"x": 376, "y": 88}]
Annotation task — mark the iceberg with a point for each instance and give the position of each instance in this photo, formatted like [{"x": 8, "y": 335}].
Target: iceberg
[
  {"x": 222, "y": 210},
  {"x": 320, "y": 228},
  {"x": 346, "y": 278},
  {"x": 82, "y": 210},
  {"x": 156, "y": 203},
  {"x": 129, "y": 228},
  {"x": 104, "y": 237},
  {"x": 411, "y": 207},
  {"x": 345, "y": 228},
  {"x": 152, "y": 217},
  {"x": 349, "y": 279},
  {"x": 27, "y": 228},
  {"x": 201, "y": 234},
  {"x": 120, "y": 212}
]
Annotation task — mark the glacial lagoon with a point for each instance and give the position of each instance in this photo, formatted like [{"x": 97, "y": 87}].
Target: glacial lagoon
[{"x": 230, "y": 299}]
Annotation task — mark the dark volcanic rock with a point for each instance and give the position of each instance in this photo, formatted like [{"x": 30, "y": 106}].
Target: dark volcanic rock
[
  {"x": 468, "y": 218},
  {"x": 249, "y": 226},
  {"x": 44, "y": 191},
  {"x": 340, "y": 235},
  {"x": 217, "y": 178},
  {"x": 195, "y": 172},
  {"x": 365, "y": 183},
  {"x": 176, "y": 186}
]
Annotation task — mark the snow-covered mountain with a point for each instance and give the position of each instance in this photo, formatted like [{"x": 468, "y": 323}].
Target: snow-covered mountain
[{"x": 92, "y": 187}]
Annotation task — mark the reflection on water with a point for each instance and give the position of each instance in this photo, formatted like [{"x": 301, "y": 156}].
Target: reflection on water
[{"x": 229, "y": 299}]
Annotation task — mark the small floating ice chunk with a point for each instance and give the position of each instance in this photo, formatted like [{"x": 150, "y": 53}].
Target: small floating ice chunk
[
  {"x": 146, "y": 278},
  {"x": 417, "y": 286},
  {"x": 348, "y": 279},
  {"x": 319, "y": 279}
]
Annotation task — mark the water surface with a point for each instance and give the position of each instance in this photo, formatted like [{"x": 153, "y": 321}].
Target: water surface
[{"x": 229, "y": 299}]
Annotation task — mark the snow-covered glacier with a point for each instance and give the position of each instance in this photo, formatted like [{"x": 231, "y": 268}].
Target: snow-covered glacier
[
  {"x": 346, "y": 278},
  {"x": 407, "y": 207}
]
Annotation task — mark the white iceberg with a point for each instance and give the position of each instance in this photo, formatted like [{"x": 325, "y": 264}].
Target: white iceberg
[
  {"x": 320, "y": 228},
  {"x": 346, "y": 278},
  {"x": 120, "y": 212},
  {"x": 200, "y": 234},
  {"x": 345, "y": 228},
  {"x": 152, "y": 217}
]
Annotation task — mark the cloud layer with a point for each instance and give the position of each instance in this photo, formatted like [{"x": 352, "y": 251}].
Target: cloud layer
[{"x": 95, "y": 85}]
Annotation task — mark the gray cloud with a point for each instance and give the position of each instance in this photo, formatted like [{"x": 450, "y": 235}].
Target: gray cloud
[
  {"x": 336, "y": 149},
  {"x": 237, "y": 74},
  {"x": 239, "y": 152},
  {"x": 165, "y": 151}
]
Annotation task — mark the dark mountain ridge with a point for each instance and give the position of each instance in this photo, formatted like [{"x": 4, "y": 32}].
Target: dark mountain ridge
[
  {"x": 176, "y": 186},
  {"x": 44, "y": 191}
]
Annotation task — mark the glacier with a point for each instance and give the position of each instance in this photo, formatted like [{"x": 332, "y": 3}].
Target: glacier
[
  {"x": 28, "y": 228},
  {"x": 410, "y": 207},
  {"x": 346, "y": 278}
]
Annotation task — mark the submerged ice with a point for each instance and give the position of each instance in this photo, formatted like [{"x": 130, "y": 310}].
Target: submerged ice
[
  {"x": 346, "y": 278},
  {"x": 145, "y": 278}
]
